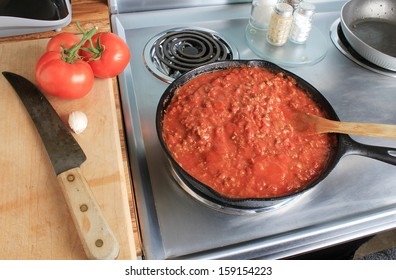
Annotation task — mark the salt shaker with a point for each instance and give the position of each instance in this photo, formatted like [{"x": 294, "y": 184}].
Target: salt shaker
[
  {"x": 302, "y": 23},
  {"x": 261, "y": 13},
  {"x": 280, "y": 24}
]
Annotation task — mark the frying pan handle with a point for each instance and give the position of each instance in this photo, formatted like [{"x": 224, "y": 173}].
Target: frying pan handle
[{"x": 384, "y": 154}]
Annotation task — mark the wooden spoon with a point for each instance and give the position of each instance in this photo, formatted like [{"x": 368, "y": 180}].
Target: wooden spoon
[{"x": 308, "y": 123}]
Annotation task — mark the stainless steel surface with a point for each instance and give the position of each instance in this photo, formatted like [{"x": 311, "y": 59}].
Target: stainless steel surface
[
  {"x": 370, "y": 28},
  {"x": 357, "y": 199},
  {"x": 125, "y": 6}
]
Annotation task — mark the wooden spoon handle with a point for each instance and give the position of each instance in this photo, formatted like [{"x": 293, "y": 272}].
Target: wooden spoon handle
[{"x": 365, "y": 129}]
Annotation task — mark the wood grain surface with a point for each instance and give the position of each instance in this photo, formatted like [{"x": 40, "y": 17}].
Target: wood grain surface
[
  {"x": 35, "y": 221},
  {"x": 91, "y": 13}
]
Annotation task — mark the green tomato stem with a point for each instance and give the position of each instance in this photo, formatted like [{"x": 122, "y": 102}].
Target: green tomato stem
[{"x": 71, "y": 54}]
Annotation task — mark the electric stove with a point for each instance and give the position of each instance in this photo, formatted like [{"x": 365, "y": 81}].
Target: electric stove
[{"x": 357, "y": 199}]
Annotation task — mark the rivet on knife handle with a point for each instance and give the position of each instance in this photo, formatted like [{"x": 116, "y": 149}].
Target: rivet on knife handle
[{"x": 97, "y": 238}]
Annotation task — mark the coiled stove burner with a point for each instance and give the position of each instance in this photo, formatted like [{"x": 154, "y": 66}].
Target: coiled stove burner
[{"x": 174, "y": 52}]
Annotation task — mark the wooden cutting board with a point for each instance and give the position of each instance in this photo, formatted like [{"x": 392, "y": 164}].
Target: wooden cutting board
[{"x": 34, "y": 219}]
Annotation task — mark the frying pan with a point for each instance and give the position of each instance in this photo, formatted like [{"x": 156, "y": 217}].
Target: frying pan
[
  {"x": 344, "y": 144},
  {"x": 370, "y": 28}
]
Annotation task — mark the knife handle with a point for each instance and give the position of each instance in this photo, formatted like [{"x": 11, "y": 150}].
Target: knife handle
[{"x": 95, "y": 234}]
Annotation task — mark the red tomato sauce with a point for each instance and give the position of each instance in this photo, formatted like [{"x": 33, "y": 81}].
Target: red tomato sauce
[{"x": 232, "y": 131}]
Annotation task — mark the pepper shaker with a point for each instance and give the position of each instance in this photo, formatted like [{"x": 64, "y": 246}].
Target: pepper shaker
[{"x": 280, "y": 24}]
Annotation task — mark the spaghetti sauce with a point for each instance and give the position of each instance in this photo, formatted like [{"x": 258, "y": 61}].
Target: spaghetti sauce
[{"x": 232, "y": 131}]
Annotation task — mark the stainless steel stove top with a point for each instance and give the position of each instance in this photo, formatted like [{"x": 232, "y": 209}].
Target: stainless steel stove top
[{"x": 357, "y": 199}]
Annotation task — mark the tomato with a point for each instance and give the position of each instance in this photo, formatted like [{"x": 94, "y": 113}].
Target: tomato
[
  {"x": 61, "y": 79},
  {"x": 64, "y": 39},
  {"x": 112, "y": 58}
]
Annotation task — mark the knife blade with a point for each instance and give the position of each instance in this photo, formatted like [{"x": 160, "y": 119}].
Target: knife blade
[{"x": 66, "y": 156}]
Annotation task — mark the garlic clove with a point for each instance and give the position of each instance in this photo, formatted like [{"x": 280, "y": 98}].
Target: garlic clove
[{"x": 78, "y": 121}]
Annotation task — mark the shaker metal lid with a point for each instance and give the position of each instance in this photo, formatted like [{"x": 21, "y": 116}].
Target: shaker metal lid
[
  {"x": 294, "y": 3},
  {"x": 306, "y": 8},
  {"x": 283, "y": 9}
]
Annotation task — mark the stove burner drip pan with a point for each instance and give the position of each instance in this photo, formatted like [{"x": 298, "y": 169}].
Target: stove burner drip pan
[
  {"x": 174, "y": 52},
  {"x": 342, "y": 44},
  {"x": 185, "y": 182}
]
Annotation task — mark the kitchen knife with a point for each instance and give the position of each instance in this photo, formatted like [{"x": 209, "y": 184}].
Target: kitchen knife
[{"x": 66, "y": 157}]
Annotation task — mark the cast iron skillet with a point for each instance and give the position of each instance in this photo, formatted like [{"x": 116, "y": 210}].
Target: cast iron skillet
[{"x": 344, "y": 145}]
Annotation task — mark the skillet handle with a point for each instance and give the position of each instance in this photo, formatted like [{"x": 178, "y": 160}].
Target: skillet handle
[{"x": 384, "y": 154}]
